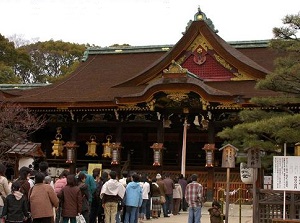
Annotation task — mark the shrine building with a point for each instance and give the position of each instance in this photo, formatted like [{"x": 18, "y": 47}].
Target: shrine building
[{"x": 151, "y": 108}]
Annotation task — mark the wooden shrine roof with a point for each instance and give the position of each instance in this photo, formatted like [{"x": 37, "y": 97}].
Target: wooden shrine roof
[
  {"x": 27, "y": 149},
  {"x": 134, "y": 74}
]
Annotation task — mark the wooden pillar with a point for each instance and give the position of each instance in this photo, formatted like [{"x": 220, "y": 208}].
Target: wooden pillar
[
  {"x": 74, "y": 133},
  {"x": 119, "y": 133},
  {"x": 210, "y": 170},
  {"x": 160, "y": 132}
]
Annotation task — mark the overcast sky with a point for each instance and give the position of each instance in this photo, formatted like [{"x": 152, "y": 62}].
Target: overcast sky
[{"x": 139, "y": 22}]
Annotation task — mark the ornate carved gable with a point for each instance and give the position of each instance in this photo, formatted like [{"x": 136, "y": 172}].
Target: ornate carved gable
[{"x": 202, "y": 60}]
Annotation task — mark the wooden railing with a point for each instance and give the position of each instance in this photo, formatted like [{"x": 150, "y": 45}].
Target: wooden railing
[{"x": 270, "y": 206}]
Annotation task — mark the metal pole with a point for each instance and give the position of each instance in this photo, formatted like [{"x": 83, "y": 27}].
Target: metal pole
[
  {"x": 183, "y": 158},
  {"x": 284, "y": 192},
  {"x": 227, "y": 195},
  {"x": 254, "y": 212},
  {"x": 240, "y": 205}
]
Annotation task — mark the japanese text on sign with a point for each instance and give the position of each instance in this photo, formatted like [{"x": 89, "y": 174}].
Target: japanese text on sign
[{"x": 286, "y": 173}]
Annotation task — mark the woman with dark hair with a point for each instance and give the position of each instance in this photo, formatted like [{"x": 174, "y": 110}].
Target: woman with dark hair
[
  {"x": 85, "y": 211},
  {"x": 43, "y": 166},
  {"x": 4, "y": 188},
  {"x": 42, "y": 199},
  {"x": 156, "y": 205},
  {"x": 177, "y": 197},
  {"x": 71, "y": 199},
  {"x": 15, "y": 205},
  {"x": 24, "y": 175},
  {"x": 133, "y": 199},
  {"x": 145, "y": 190},
  {"x": 58, "y": 186},
  {"x": 61, "y": 182}
]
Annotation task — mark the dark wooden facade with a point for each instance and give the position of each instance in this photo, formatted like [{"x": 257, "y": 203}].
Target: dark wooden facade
[{"x": 134, "y": 93}]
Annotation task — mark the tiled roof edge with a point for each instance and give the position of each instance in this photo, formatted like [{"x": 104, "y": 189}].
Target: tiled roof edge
[
  {"x": 164, "y": 48},
  {"x": 249, "y": 43},
  {"x": 21, "y": 86},
  {"x": 129, "y": 49}
]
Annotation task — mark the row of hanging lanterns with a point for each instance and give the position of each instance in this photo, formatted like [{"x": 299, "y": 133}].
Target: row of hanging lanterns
[
  {"x": 110, "y": 149},
  {"x": 113, "y": 150}
]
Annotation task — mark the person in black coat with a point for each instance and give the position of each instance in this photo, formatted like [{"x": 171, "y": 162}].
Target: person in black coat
[{"x": 15, "y": 206}]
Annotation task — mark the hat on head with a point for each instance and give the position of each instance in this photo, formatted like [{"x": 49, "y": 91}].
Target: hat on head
[
  {"x": 216, "y": 203},
  {"x": 158, "y": 176}
]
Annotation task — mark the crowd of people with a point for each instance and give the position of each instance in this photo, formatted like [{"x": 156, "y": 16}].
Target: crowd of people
[{"x": 100, "y": 197}]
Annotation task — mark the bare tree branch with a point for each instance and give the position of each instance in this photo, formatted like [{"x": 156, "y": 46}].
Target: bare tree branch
[{"x": 16, "y": 125}]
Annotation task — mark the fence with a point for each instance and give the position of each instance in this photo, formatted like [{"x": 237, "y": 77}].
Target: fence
[
  {"x": 270, "y": 205},
  {"x": 238, "y": 190}
]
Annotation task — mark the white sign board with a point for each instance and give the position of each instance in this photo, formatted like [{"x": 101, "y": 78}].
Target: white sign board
[{"x": 286, "y": 173}]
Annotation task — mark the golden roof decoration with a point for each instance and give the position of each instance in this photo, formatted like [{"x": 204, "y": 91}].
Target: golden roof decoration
[
  {"x": 175, "y": 68},
  {"x": 177, "y": 96}
]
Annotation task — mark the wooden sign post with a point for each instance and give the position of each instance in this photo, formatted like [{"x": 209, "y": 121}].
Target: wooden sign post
[{"x": 228, "y": 161}]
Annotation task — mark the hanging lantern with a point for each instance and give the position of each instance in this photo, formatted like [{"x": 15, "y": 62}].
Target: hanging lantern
[
  {"x": 92, "y": 146},
  {"x": 57, "y": 144},
  {"x": 107, "y": 147},
  {"x": 71, "y": 146},
  {"x": 157, "y": 155},
  {"x": 209, "y": 150},
  {"x": 115, "y": 154},
  {"x": 228, "y": 156}
]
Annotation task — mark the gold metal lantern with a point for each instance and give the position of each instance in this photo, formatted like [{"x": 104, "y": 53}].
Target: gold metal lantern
[
  {"x": 57, "y": 144},
  {"x": 107, "y": 147},
  {"x": 92, "y": 146}
]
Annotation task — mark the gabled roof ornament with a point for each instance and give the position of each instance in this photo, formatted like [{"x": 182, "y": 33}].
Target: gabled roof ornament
[
  {"x": 201, "y": 16},
  {"x": 175, "y": 68}
]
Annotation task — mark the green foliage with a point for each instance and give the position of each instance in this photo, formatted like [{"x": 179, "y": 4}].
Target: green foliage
[
  {"x": 39, "y": 62},
  {"x": 7, "y": 51},
  {"x": 51, "y": 60},
  {"x": 8, "y": 60},
  {"x": 7, "y": 75}
]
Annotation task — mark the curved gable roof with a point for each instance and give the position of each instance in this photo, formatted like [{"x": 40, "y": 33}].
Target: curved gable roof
[
  {"x": 222, "y": 48},
  {"x": 135, "y": 75}
]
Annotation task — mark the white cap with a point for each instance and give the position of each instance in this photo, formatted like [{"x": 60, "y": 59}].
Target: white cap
[{"x": 158, "y": 176}]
